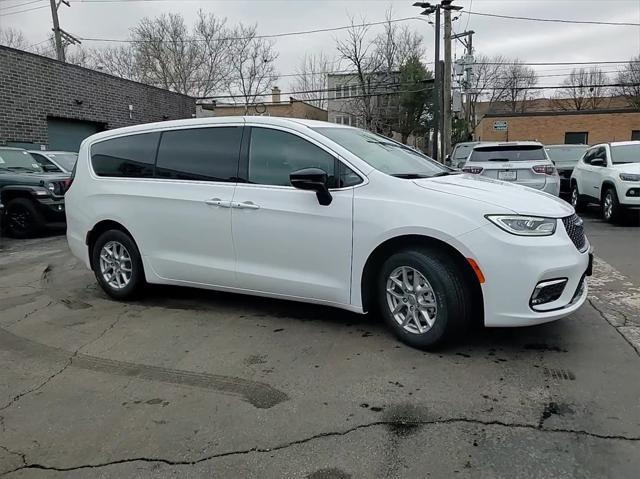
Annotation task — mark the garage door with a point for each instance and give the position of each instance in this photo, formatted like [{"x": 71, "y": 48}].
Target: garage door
[{"x": 66, "y": 135}]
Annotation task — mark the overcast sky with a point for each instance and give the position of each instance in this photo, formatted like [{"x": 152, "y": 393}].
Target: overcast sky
[{"x": 529, "y": 41}]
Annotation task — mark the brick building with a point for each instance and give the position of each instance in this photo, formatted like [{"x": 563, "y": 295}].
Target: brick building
[
  {"x": 48, "y": 104},
  {"x": 558, "y": 127},
  {"x": 276, "y": 107},
  {"x": 552, "y": 121}
]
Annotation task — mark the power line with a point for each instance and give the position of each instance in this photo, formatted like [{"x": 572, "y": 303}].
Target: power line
[
  {"x": 554, "y": 20},
  {"x": 20, "y": 4},
  {"x": 274, "y": 35},
  {"x": 23, "y": 11},
  {"x": 395, "y": 92}
]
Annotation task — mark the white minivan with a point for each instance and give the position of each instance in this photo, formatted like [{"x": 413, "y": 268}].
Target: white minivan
[{"x": 322, "y": 213}]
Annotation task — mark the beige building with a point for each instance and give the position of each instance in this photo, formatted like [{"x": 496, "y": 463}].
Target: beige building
[
  {"x": 276, "y": 107},
  {"x": 558, "y": 127}
]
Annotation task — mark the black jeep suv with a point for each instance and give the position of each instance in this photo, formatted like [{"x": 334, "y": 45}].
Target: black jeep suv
[{"x": 33, "y": 200}]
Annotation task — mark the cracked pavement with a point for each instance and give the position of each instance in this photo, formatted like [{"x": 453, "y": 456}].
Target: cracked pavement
[{"x": 188, "y": 383}]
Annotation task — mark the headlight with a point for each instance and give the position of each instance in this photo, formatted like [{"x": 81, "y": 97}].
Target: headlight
[
  {"x": 524, "y": 225},
  {"x": 629, "y": 177},
  {"x": 51, "y": 187}
]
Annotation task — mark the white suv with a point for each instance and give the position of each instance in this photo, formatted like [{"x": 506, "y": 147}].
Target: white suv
[
  {"x": 608, "y": 174},
  {"x": 322, "y": 213}
]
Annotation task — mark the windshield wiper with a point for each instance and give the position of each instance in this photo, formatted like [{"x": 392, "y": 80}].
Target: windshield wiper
[
  {"x": 410, "y": 176},
  {"x": 20, "y": 168},
  {"x": 446, "y": 173}
]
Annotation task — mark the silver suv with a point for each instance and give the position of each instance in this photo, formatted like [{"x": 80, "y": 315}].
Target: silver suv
[{"x": 523, "y": 162}]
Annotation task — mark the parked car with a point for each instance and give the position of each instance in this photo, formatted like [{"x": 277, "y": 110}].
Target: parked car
[
  {"x": 608, "y": 174},
  {"x": 322, "y": 213},
  {"x": 33, "y": 199},
  {"x": 565, "y": 158},
  {"x": 522, "y": 162},
  {"x": 55, "y": 161},
  {"x": 461, "y": 152}
]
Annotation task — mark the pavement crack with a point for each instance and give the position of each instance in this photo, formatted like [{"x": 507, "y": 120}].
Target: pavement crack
[
  {"x": 68, "y": 363},
  {"x": 604, "y": 316},
  {"x": 314, "y": 437},
  {"x": 22, "y": 456}
]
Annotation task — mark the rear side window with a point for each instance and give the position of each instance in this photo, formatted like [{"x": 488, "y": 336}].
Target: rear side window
[
  {"x": 508, "y": 153},
  {"x": 205, "y": 154},
  {"x": 128, "y": 156}
]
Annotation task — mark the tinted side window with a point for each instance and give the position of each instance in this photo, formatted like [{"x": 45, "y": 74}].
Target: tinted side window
[
  {"x": 274, "y": 154},
  {"x": 206, "y": 154},
  {"x": 347, "y": 177},
  {"x": 128, "y": 156},
  {"x": 588, "y": 156},
  {"x": 42, "y": 161}
]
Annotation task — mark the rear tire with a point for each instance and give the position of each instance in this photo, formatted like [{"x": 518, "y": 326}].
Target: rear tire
[
  {"x": 23, "y": 219},
  {"x": 611, "y": 209},
  {"x": 429, "y": 305},
  {"x": 117, "y": 265},
  {"x": 578, "y": 204}
]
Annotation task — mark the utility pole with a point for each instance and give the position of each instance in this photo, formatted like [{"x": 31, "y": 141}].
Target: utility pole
[
  {"x": 467, "y": 65},
  {"x": 442, "y": 76},
  {"x": 429, "y": 9},
  {"x": 446, "y": 87},
  {"x": 56, "y": 31}
]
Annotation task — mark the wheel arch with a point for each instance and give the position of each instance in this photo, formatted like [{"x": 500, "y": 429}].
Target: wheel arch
[
  {"x": 606, "y": 184},
  {"x": 403, "y": 242},
  {"x": 105, "y": 225}
]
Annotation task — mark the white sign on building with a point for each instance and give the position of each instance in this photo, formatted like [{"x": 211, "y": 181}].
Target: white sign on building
[{"x": 500, "y": 125}]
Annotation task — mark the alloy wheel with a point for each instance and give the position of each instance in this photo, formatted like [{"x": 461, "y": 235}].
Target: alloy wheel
[
  {"x": 411, "y": 300},
  {"x": 607, "y": 207},
  {"x": 115, "y": 264},
  {"x": 19, "y": 219}
]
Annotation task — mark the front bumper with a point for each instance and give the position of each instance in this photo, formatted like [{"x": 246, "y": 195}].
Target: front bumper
[
  {"x": 52, "y": 209},
  {"x": 513, "y": 266}
]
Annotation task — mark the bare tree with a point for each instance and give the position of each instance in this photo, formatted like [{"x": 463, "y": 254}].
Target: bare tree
[
  {"x": 583, "y": 89},
  {"x": 119, "y": 61},
  {"x": 361, "y": 56},
  {"x": 252, "y": 64},
  {"x": 484, "y": 87},
  {"x": 629, "y": 82},
  {"x": 516, "y": 82},
  {"x": 310, "y": 82},
  {"x": 166, "y": 53},
  {"x": 14, "y": 38}
]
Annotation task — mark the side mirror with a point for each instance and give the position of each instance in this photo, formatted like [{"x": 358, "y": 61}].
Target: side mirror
[
  {"x": 312, "y": 179},
  {"x": 50, "y": 168},
  {"x": 597, "y": 162}
]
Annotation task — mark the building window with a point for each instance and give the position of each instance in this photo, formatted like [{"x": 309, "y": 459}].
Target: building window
[
  {"x": 635, "y": 135},
  {"x": 576, "y": 138},
  {"x": 338, "y": 91}
]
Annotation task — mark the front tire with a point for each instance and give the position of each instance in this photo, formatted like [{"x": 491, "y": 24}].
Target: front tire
[
  {"x": 423, "y": 297},
  {"x": 578, "y": 204},
  {"x": 117, "y": 265},
  {"x": 23, "y": 219},
  {"x": 611, "y": 209}
]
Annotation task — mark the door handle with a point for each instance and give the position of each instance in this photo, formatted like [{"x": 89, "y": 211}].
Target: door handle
[
  {"x": 218, "y": 202},
  {"x": 247, "y": 205}
]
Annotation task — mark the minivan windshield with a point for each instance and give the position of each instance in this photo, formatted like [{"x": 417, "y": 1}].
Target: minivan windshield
[
  {"x": 625, "y": 153},
  {"x": 566, "y": 154},
  {"x": 18, "y": 160},
  {"x": 385, "y": 155},
  {"x": 508, "y": 153}
]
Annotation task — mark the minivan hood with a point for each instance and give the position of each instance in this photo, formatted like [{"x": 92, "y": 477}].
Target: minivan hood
[
  {"x": 628, "y": 167},
  {"x": 519, "y": 199}
]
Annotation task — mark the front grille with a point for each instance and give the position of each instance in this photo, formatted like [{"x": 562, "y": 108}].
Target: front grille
[{"x": 575, "y": 229}]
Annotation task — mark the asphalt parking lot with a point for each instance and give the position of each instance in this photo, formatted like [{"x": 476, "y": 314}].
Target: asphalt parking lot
[{"x": 189, "y": 383}]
